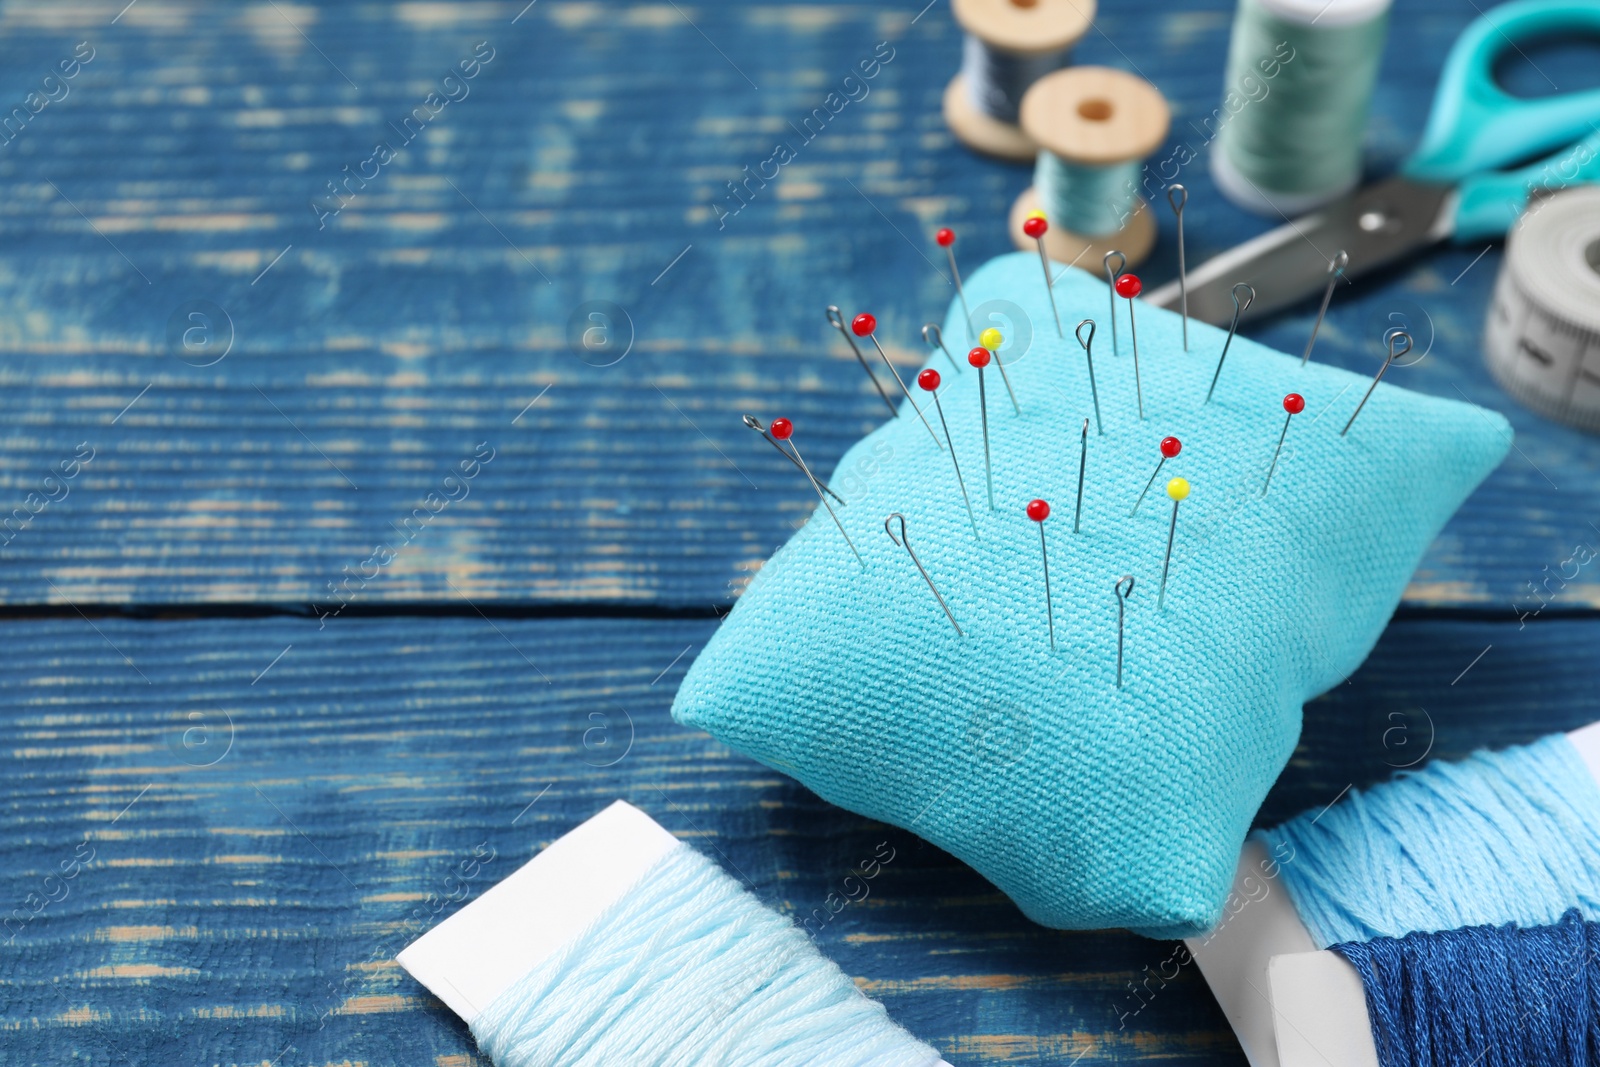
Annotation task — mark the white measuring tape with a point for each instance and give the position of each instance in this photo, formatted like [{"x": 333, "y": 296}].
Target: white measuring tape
[{"x": 1542, "y": 340}]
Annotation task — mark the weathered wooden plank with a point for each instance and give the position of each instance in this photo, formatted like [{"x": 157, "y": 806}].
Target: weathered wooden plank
[
  {"x": 260, "y": 808},
  {"x": 370, "y": 356}
]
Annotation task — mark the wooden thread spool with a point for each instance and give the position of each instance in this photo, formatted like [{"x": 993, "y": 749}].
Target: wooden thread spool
[
  {"x": 1094, "y": 126},
  {"x": 1008, "y": 46}
]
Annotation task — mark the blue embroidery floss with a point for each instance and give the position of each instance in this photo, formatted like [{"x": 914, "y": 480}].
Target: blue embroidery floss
[
  {"x": 1484, "y": 996},
  {"x": 1499, "y": 837},
  {"x": 689, "y": 969}
]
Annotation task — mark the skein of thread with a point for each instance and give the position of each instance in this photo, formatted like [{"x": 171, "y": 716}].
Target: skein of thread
[
  {"x": 1508, "y": 836},
  {"x": 688, "y": 968},
  {"x": 1484, "y": 996},
  {"x": 1007, "y": 46},
  {"x": 1299, "y": 84}
]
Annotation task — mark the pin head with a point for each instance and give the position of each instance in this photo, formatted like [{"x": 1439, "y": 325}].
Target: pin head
[
  {"x": 929, "y": 379},
  {"x": 978, "y": 357},
  {"x": 1035, "y": 226},
  {"x": 1171, "y": 446},
  {"x": 1038, "y": 510},
  {"x": 1294, "y": 403},
  {"x": 946, "y": 237},
  {"x": 1129, "y": 285},
  {"x": 863, "y": 324},
  {"x": 991, "y": 339},
  {"x": 782, "y": 429},
  {"x": 1177, "y": 489}
]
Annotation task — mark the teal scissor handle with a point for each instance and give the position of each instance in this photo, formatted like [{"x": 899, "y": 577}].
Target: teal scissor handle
[
  {"x": 1488, "y": 204},
  {"x": 1475, "y": 126}
]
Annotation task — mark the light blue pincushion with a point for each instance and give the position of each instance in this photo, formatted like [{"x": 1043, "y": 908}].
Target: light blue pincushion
[{"x": 1091, "y": 806}]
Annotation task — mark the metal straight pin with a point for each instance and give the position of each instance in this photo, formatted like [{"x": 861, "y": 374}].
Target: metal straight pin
[
  {"x": 1336, "y": 266},
  {"x": 1129, "y": 286},
  {"x": 992, "y": 339},
  {"x": 1393, "y": 337},
  {"x": 1039, "y": 511},
  {"x": 905, "y": 542},
  {"x": 1083, "y": 461},
  {"x": 783, "y": 430},
  {"x": 864, "y": 325},
  {"x": 929, "y": 381},
  {"x": 755, "y": 424},
  {"x": 947, "y": 239},
  {"x": 836, "y": 318},
  {"x": 1122, "y": 600},
  {"x": 1170, "y": 446},
  {"x": 937, "y": 341},
  {"x": 1233, "y": 328},
  {"x": 1111, "y": 292},
  {"x": 1178, "y": 196},
  {"x": 1294, "y": 404},
  {"x": 1088, "y": 354},
  {"x": 979, "y": 357},
  {"x": 1177, "y": 489},
  {"x": 1036, "y": 227}
]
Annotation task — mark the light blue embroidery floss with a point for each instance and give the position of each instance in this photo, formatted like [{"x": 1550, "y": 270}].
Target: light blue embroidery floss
[
  {"x": 689, "y": 969},
  {"x": 1499, "y": 837}
]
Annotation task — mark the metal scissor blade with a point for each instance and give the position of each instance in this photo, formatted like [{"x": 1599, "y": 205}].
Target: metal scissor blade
[{"x": 1375, "y": 226}]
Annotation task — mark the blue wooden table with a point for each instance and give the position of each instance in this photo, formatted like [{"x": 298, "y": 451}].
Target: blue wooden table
[{"x": 242, "y": 347}]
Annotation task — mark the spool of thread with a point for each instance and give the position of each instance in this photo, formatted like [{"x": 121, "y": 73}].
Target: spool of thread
[
  {"x": 1094, "y": 127},
  {"x": 1007, "y": 47},
  {"x": 1299, "y": 82},
  {"x": 1542, "y": 337}
]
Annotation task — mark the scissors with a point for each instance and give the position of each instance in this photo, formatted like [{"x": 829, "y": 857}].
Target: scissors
[{"x": 1449, "y": 188}]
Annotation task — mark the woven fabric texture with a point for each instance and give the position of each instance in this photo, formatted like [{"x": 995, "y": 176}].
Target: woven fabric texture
[{"x": 1091, "y": 806}]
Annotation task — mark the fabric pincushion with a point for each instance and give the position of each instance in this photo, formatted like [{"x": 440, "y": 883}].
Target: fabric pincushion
[{"x": 1091, "y": 806}]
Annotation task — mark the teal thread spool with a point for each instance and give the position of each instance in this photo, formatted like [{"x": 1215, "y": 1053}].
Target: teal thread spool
[
  {"x": 1294, "y": 107},
  {"x": 1094, "y": 127},
  {"x": 1007, "y": 46}
]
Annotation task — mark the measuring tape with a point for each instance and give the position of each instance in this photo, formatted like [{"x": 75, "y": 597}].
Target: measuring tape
[{"x": 1542, "y": 340}]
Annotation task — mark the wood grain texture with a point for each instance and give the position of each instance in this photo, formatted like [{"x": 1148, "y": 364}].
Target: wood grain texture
[
  {"x": 268, "y": 830},
  {"x": 589, "y": 161}
]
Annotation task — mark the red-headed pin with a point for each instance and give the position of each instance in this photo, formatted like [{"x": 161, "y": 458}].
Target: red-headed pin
[
  {"x": 783, "y": 430},
  {"x": 1036, "y": 226},
  {"x": 755, "y": 424},
  {"x": 928, "y": 380},
  {"x": 1039, "y": 511},
  {"x": 979, "y": 357},
  {"x": 947, "y": 241},
  {"x": 1294, "y": 404},
  {"x": 1178, "y": 490},
  {"x": 1170, "y": 446},
  {"x": 864, "y": 325},
  {"x": 1128, "y": 287}
]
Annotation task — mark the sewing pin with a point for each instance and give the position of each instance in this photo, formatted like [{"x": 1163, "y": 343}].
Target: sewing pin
[
  {"x": 905, "y": 542},
  {"x": 1393, "y": 337},
  {"x": 937, "y": 341},
  {"x": 755, "y": 424},
  {"x": 979, "y": 357},
  {"x": 947, "y": 240},
  {"x": 1111, "y": 292},
  {"x": 992, "y": 339},
  {"x": 1294, "y": 404},
  {"x": 1036, "y": 227},
  {"x": 1088, "y": 354},
  {"x": 1182, "y": 198},
  {"x": 836, "y": 318},
  {"x": 783, "y": 430},
  {"x": 1128, "y": 285},
  {"x": 1170, "y": 446},
  {"x": 1083, "y": 461},
  {"x": 1039, "y": 511},
  {"x": 864, "y": 325},
  {"x": 929, "y": 380},
  {"x": 1336, "y": 266},
  {"x": 1177, "y": 489},
  {"x": 1233, "y": 328},
  {"x": 1122, "y": 600}
]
